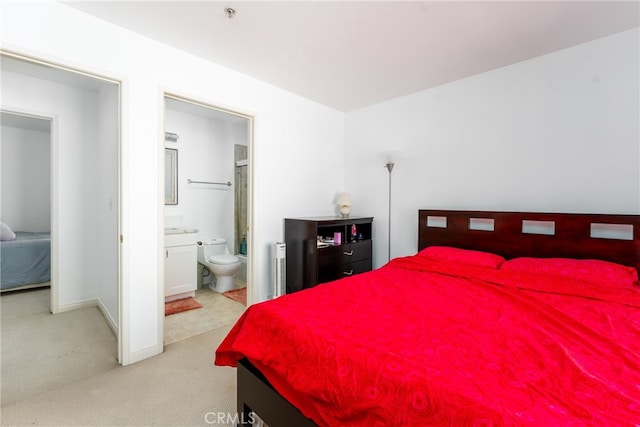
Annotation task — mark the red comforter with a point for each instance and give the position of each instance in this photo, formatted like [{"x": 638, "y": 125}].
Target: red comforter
[{"x": 418, "y": 342}]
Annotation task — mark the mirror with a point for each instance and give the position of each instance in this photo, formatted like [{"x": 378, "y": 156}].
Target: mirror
[{"x": 170, "y": 176}]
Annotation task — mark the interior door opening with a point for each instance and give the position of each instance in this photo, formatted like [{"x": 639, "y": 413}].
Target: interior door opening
[
  {"x": 83, "y": 112},
  {"x": 207, "y": 183},
  {"x": 25, "y": 148}
]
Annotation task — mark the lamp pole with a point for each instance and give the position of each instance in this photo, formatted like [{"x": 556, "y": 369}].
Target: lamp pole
[{"x": 389, "y": 167}]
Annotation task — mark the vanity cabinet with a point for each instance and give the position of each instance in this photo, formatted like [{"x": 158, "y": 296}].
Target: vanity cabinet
[
  {"x": 312, "y": 257},
  {"x": 180, "y": 266}
]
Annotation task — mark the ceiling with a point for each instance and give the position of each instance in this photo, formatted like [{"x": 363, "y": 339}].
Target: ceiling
[{"x": 347, "y": 55}]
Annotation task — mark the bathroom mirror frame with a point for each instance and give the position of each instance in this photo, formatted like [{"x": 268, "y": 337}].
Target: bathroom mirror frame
[{"x": 170, "y": 176}]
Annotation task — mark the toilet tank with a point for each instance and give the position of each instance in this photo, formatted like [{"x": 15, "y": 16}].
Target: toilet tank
[{"x": 214, "y": 246}]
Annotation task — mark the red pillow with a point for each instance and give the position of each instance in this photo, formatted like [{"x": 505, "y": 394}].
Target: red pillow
[
  {"x": 464, "y": 256},
  {"x": 587, "y": 270}
]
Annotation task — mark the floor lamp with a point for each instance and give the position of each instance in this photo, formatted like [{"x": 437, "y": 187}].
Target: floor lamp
[{"x": 389, "y": 165}]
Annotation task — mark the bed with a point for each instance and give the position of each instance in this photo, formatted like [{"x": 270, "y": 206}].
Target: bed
[
  {"x": 501, "y": 318},
  {"x": 26, "y": 261}
]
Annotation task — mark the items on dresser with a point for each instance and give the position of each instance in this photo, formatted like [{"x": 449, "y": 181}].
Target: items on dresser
[{"x": 323, "y": 249}]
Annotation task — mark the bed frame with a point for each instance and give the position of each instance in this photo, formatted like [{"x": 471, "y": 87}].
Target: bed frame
[
  {"x": 609, "y": 237},
  {"x": 614, "y": 238}
]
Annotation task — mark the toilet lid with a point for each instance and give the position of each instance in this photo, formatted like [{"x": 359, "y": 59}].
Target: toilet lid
[{"x": 223, "y": 259}]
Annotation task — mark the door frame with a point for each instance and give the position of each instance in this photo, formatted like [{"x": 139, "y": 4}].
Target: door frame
[
  {"x": 123, "y": 318},
  {"x": 53, "y": 196},
  {"x": 251, "y": 258}
]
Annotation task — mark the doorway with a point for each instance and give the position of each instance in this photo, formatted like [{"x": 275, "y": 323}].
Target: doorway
[
  {"x": 25, "y": 153},
  {"x": 83, "y": 112},
  {"x": 208, "y": 191}
]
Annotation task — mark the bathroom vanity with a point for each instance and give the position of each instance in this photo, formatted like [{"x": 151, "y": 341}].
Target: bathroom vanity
[{"x": 181, "y": 263}]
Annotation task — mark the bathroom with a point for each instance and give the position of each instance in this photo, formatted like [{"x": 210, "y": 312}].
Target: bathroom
[{"x": 206, "y": 177}]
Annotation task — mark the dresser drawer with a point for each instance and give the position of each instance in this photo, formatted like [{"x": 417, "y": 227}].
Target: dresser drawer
[
  {"x": 344, "y": 254},
  {"x": 309, "y": 263},
  {"x": 335, "y": 272}
]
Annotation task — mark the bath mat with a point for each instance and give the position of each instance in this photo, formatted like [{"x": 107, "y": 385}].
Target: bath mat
[
  {"x": 178, "y": 306},
  {"x": 239, "y": 295}
]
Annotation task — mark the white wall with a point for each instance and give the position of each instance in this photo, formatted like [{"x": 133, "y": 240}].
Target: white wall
[
  {"x": 84, "y": 173},
  {"x": 555, "y": 133},
  {"x": 205, "y": 153},
  {"x": 101, "y": 215},
  {"x": 294, "y": 141},
  {"x": 26, "y": 193},
  {"x": 558, "y": 132}
]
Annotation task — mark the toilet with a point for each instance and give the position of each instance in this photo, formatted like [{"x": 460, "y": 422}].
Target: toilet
[{"x": 214, "y": 255}]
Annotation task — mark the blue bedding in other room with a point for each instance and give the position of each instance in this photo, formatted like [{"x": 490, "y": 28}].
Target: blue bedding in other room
[{"x": 26, "y": 260}]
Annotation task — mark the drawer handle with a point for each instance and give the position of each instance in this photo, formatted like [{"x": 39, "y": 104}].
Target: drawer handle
[
  {"x": 348, "y": 253},
  {"x": 348, "y": 273}
]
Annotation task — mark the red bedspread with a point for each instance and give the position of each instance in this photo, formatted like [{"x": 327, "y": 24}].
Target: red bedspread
[{"x": 418, "y": 342}]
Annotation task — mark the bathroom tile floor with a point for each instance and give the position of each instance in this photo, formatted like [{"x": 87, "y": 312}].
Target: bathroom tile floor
[{"x": 217, "y": 310}]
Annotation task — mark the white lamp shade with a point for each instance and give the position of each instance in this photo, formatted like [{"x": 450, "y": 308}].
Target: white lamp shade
[{"x": 344, "y": 199}]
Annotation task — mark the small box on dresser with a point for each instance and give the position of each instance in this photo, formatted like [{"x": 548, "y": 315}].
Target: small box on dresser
[{"x": 313, "y": 257}]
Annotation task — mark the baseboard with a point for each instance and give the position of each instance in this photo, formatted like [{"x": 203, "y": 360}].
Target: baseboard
[
  {"x": 127, "y": 358},
  {"x": 91, "y": 303},
  {"x": 77, "y": 305},
  {"x": 105, "y": 313}
]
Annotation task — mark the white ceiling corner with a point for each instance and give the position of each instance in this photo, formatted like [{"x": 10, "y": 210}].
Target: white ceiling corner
[{"x": 347, "y": 55}]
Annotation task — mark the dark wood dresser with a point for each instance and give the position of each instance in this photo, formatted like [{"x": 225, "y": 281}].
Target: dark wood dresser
[{"x": 312, "y": 258}]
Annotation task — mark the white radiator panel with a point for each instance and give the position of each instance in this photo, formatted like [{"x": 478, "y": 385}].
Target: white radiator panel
[{"x": 279, "y": 269}]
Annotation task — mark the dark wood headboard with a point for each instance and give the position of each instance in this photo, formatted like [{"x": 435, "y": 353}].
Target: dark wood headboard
[{"x": 614, "y": 238}]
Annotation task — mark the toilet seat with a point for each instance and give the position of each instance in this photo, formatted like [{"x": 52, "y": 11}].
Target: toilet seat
[{"x": 223, "y": 259}]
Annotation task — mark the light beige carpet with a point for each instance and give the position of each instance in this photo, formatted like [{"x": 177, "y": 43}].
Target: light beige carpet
[
  {"x": 41, "y": 352},
  {"x": 177, "y": 388},
  {"x": 61, "y": 371}
]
